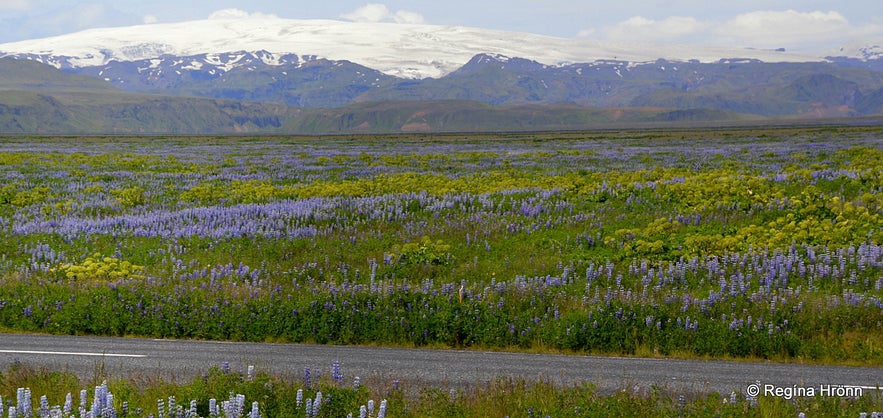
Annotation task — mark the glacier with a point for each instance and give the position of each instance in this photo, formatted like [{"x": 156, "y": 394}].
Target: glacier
[{"x": 415, "y": 51}]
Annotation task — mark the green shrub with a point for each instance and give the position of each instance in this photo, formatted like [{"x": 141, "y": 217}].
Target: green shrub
[
  {"x": 424, "y": 252},
  {"x": 98, "y": 268}
]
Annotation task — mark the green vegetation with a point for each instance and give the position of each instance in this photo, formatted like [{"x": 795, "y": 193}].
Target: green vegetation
[
  {"x": 143, "y": 396},
  {"x": 485, "y": 95},
  {"x": 756, "y": 243},
  {"x": 473, "y": 116},
  {"x": 100, "y": 268}
]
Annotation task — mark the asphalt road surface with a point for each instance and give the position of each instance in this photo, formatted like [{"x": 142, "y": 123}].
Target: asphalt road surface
[{"x": 177, "y": 359}]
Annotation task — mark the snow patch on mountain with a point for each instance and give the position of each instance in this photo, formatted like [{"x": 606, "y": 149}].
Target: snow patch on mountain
[
  {"x": 401, "y": 50},
  {"x": 863, "y": 50}
]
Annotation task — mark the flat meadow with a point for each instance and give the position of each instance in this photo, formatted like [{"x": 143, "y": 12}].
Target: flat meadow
[{"x": 758, "y": 243}]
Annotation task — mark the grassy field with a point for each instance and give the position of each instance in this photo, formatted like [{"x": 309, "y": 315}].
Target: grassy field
[
  {"x": 752, "y": 243},
  {"x": 330, "y": 392}
]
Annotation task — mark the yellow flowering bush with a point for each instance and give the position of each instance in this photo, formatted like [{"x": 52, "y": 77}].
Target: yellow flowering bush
[
  {"x": 426, "y": 251},
  {"x": 96, "y": 268},
  {"x": 133, "y": 196}
]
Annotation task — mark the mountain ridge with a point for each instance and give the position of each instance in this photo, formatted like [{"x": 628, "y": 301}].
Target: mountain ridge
[
  {"x": 308, "y": 81},
  {"x": 282, "y": 75},
  {"x": 471, "y": 116},
  {"x": 63, "y": 107}
]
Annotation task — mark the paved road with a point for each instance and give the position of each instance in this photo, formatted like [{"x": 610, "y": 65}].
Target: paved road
[{"x": 120, "y": 357}]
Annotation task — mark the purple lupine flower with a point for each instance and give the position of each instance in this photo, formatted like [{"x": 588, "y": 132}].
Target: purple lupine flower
[
  {"x": 100, "y": 401},
  {"x": 308, "y": 408},
  {"x": 23, "y": 399},
  {"x": 381, "y": 413},
  {"x": 160, "y": 408},
  {"x": 44, "y": 406},
  {"x": 336, "y": 375},
  {"x": 317, "y": 404},
  {"x": 240, "y": 404},
  {"x": 213, "y": 408},
  {"x": 109, "y": 409}
]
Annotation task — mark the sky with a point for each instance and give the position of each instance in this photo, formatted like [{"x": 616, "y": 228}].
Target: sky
[{"x": 797, "y": 25}]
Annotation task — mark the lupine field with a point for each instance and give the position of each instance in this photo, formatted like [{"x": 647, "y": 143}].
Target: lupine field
[
  {"x": 331, "y": 392},
  {"x": 761, "y": 243}
]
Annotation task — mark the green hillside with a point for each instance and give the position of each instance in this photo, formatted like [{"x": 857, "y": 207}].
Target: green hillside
[
  {"x": 36, "y": 98},
  {"x": 461, "y": 115},
  {"x": 30, "y": 75},
  {"x": 482, "y": 96},
  {"x": 64, "y": 113}
]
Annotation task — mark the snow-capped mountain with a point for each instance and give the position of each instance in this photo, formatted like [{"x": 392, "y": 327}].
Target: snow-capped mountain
[
  {"x": 860, "y": 50},
  {"x": 401, "y": 50},
  {"x": 257, "y": 76},
  {"x": 258, "y": 73}
]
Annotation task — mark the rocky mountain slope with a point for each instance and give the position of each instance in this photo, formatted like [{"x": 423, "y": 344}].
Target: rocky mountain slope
[{"x": 264, "y": 73}]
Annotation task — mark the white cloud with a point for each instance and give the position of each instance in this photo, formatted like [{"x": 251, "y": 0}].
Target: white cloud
[
  {"x": 61, "y": 18},
  {"x": 238, "y": 14},
  {"x": 768, "y": 29},
  {"x": 150, "y": 19},
  {"x": 402, "y": 16},
  {"x": 15, "y": 5},
  {"x": 587, "y": 33},
  {"x": 670, "y": 29},
  {"x": 372, "y": 12},
  {"x": 81, "y": 16},
  {"x": 376, "y": 12},
  {"x": 790, "y": 29}
]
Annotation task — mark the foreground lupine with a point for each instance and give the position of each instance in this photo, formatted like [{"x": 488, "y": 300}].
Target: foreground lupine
[
  {"x": 104, "y": 406},
  {"x": 104, "y": 403},
  {"x": 332, "y": 398}
]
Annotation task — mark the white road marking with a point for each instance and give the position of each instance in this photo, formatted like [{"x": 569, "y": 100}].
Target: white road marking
[
  {"x": 69, "y": 353},
  {"x": 861, "y": 387}
]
